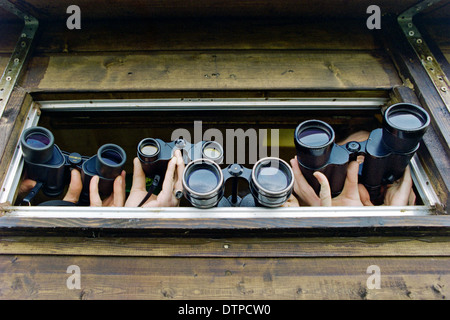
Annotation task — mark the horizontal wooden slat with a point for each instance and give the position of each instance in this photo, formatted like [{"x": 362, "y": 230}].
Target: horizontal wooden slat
[
  {"x": 45, "y": 277},
  {"x": 436, "y": 224},
  {"x": 206, "y": 34},
  {"x": 228, "y": 247},
  {"x": 215, "y": 70},
  {"x": 126, "y": 9}
]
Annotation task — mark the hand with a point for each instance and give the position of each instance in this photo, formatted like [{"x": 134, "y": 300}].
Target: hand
[
  {"x": 305, "y": 193},
  {"x": 117, "y": 197},
  {"x": 350, "y": 193},
  {"x": 75, "y": 187},
  {"x": 307, "y": 196},
  {"x": 172, "y": 183},
  {"x": 400, "y": 193},
  {"x": 24, "y": 188},
  {"x": 291, "y": 202},
  {"x": 72, "y": 194}
]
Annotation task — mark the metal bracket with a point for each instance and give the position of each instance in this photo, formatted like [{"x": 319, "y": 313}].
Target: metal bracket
[
  {"x": 431, "y": 66},
  {"x": 19, "y": 55}
]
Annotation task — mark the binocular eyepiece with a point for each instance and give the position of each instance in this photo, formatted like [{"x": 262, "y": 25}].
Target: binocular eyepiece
[
  {"x": 386, "y": 152},
  {"x": 110, "y": 161},
  {"x": 270, "y": 181},
  {"x": 37, "y": 144},
  {"x": 49, "y": 166}
]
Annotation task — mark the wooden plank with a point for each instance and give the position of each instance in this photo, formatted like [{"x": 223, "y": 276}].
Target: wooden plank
[
  {"x": 4, "y": 59},
  {"x": 228, "y": 247},
  {"x": 215, "y": 70},
  {"x": 347, "y": 226},
  {"x": 135, "y": 9},
  {"x": 206, "y": 34},
  {"x": 11, "y": 124},
  {"x": 10, "y": 35},
  {"x": 45, "y": 277}
]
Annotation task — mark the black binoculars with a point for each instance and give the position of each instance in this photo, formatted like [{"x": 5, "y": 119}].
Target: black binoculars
[
  {"x": 50, "y": 167},
  {"x": 386, "y": 152},
  {"x": 270, "y": 182},
  {"x": 155, "y": 154}
]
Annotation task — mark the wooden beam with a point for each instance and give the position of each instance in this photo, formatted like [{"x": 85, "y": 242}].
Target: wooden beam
[
  {"x": 260, "y": 247},
  {"x": 45, "y": 277},
  {"x": 11, "y": 124},
  {"x": 346, "y": 226},
  {"x": 215, "y": 70}
]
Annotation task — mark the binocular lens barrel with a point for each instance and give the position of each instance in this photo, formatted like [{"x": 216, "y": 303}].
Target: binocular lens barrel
[
  {"x": 272, "y": 181},
  {"x": 313, "y": 140},
  {"x": 213, "y": 151},
  {"x": 37, "y": 144},
  {"x": 203, "y": 183},
  {"x": 404, "y": 126},
  {"x": 148, "y": 150},
  {"x": 110, "y": 160}
]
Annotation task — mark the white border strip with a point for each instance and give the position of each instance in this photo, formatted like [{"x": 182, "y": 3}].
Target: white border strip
[
  {"x": 213, "y": 104},
  {"x": 13, "y": 174},
  {"x": 213, "y": 213}
]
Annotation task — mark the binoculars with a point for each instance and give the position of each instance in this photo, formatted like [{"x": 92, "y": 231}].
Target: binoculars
[
  {"x": 270, "y": 182},
  {"x": 50, "y": 167},
  {"x": 155, "y": 154},
  {"x": 386, "y": 152}
]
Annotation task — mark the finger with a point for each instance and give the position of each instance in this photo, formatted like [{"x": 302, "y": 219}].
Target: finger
[
  {"x": 291, "y": 202},
  {"x": 302, "y": 189},
  {"x": 169, "y": 177},
  {"x": 180, "y": 171},
  {"x": 138, "y": 183},
  {"x": 26, "y": 185},
  {"x": 325, "y": 190},
  {"x": 364, "y": 195},
  {"x": 75, "y": 187},
  {"x": 94, "y": 196},
  {"x": 119, "y": 190},
  {"x": 351, "y": 188},
  {"x": 166, "y": 195},
  {"x": 412, "y": 198},
  {"x": 406, "y": 183}
]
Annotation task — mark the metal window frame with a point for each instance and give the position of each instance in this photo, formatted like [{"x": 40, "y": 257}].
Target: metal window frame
[
  {"x": 20, "y": 54},
  {"x": 423, "y": 52},
  {"x": 8, "y": 191}
]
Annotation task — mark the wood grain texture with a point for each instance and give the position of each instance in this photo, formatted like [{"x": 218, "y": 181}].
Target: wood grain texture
[
  {"x": 44, "y": 277},
  {"x": 307, "y": 226},
  {"x": 135, "y": 9},
  {"x": 220, "y": 70},
  {"x": 11, "y": 124},
  {"x": 228, "y": 247},
  {"x": 206, "y": 34}
]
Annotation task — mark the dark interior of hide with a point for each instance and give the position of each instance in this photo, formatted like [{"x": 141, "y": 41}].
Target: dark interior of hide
[{"x": 85, "y": 132}]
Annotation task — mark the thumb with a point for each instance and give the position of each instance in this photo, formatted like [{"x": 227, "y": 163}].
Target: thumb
[
  {"x": 325, "y": 190},
  {"x": 364, "y": 195}
]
